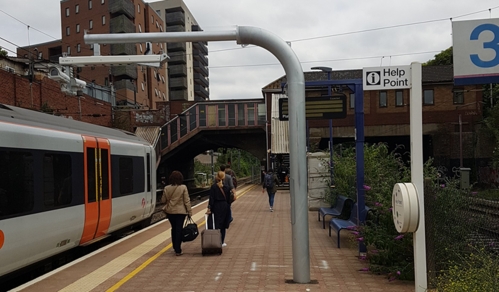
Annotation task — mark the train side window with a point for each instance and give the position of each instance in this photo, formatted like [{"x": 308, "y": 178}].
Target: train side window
[
  {"x": 91, "y": 182},
  {"x": 138, "y": 175},
  {"x": 16, "y": 182},
  {"x": 57, "y": 180},
  {"x": 126, "y": 175}
]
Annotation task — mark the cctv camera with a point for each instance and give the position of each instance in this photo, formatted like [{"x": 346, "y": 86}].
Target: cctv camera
[
  {"x": 75, "y": 82},
  {"x": 57, "y": 75}
]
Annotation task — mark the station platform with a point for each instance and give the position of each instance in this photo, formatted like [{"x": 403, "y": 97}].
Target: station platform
[{"x": 258, "y": 257}]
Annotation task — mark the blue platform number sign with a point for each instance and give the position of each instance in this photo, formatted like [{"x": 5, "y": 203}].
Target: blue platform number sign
[
  {"x": 491, "y": 45},
  {"x": 476, "y": 51}
]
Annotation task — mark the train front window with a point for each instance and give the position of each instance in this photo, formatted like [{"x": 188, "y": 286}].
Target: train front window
[
  {"x": 57, "y": 180},
  {"x": 16, "y": 182}
]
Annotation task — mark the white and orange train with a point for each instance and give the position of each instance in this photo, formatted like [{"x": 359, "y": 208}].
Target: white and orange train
[{"x": 65, "y": 183}]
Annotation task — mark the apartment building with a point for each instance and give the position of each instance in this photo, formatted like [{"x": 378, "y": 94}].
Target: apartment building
[
  {"x": 188, "y": 63},
  {"x": 135, "y": 85}
]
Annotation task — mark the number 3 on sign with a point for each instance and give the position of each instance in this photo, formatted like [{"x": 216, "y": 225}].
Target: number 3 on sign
[{"x": 493, "y": 45}]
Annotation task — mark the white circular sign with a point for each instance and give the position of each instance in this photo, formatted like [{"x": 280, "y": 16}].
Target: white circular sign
[{"x": 405, "y": 207}]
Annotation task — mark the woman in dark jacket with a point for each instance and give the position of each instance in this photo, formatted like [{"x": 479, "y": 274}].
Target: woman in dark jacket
[{"x": 219, "y": 204}]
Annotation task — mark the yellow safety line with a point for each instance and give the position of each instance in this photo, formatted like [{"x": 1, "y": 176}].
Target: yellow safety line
[
  {"x": 138, "y": 269},
  {"x": 151, "y": 259}
]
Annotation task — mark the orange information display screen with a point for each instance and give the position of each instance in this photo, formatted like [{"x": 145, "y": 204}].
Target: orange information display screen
[{"x": 318, "y": 108}]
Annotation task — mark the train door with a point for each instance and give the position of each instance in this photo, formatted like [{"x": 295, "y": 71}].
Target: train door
[
  {"x": 150, "y": 194},
  {"x": 97, "y": 169}
]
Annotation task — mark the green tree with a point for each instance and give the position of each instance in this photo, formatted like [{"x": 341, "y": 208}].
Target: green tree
[
  {"x": 442, "y": 58},
  {"x": 3, "y": 53}
]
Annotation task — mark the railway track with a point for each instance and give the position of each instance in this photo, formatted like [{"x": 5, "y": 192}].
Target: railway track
[{"x": 29, "y": 273}]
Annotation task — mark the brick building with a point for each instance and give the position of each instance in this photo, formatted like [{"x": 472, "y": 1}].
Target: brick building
[
  {"x": 44, "y": 94},
  {"x": 386, "y": 117}
]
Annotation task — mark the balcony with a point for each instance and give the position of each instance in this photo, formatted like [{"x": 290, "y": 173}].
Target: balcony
[
  {"x": 123, "y": 49},
  {"x": 196, "y": 27},
  {"x": 201, "y": 46},
  {"x": 174, "y": 18},
  {"x": 200, "y": 79},
  {"x": 198, "y": 67},
  {"x": 175, "y": 28},
  {"x": 121, "y": 24},
  {"x": 176, "y": 47},
  {"x": 125, "y": 7},
  {"x": 177, "y": 70},
  {"x": 177, "y": 58},
  {"x": 178, "y": 95},
  {"x": 124, "y": 84},
  {"x": 178, "y": 83},
  {"x": 125, "y": 71},
  {"x": 201, "y": 91},
  {"x": 200, "y": 57}
]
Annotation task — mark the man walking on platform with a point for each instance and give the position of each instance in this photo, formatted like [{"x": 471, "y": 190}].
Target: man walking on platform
[
  {"x": 270, "y": 183},
  {"x": 229, "y": 182}
]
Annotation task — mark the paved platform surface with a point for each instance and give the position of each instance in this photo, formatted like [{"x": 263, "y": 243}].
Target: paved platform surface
[{"x": 258, "y": 257}]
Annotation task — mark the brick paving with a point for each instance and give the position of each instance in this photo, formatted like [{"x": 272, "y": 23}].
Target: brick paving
[{"x": 258, "y": 258}]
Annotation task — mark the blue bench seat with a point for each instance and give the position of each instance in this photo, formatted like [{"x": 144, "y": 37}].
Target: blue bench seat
[
  {"x": 339, "y": 224},
  {"x": 341, "y": 208}
]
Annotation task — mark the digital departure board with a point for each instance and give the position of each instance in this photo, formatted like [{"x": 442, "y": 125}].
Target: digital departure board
[{"x": 318, "y": 108}]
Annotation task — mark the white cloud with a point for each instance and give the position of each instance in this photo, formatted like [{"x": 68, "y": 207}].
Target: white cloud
[{"x": 291, "y": 20}]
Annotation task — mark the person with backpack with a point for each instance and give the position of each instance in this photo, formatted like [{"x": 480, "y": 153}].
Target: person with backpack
[
  {"x": 270, "y": 183},
  {"x": 229, "y": 182}
]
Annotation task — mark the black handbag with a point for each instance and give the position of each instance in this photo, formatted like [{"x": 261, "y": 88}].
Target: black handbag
[{"x": 190, "y": 230}]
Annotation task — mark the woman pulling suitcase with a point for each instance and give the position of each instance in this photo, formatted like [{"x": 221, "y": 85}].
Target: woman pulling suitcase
[{"x": 219, "y": 205}]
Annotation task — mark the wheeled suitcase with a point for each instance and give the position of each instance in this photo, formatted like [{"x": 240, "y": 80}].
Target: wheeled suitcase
[{"x": 211, "y": 239}]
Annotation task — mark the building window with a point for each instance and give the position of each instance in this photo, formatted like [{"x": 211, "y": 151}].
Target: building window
[
  {"x": 69, "y": 50},
  {"x": 428, "y": 96},
  {"x": 106, "y": 81},
  {"x": 67, "y": 12},
  {"x": 399, "y": 98},
  {"x": 140, "y": 46},
  {"x": 152, "y": 19},
  {"x": 40, "y": 55},
  {"x": 352, "y": 100},
  {"x": 77, "y": 8},
  {"x": 158, "y": 12},
  {"x": 67, "y": 30},
  {"x": 383, "y": 99},
  {"x": 102, "y": 1},
  {"x": 138, "y": 8},
  {"x": 78, "y": 48},
  {"x": 458, "y": 96},
  {"x": 77, "y": 28},
  {"x": 140, "y": 28},
  {"x": 89, "y": 4},
  {"x": 142, "y": 86},
  {"x": 91, "y": 24},
  {"x": 103, "y": 19}
]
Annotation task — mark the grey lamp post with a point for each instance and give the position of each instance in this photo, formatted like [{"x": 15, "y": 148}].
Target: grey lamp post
[{"x": 328, "y": 70}]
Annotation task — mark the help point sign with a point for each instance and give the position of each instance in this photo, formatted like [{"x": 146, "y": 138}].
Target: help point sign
[{"x": 385, "y": 78}]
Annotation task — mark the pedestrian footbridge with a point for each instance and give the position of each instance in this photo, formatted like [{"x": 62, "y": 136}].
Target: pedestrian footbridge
[{"x": 209, "y": 125}]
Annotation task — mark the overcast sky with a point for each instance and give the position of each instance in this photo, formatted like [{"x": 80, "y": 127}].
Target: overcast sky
[{"x": 341, "y": 34}]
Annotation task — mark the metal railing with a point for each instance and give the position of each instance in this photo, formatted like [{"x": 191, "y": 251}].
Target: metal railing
[{"x": 242, "y": 114}]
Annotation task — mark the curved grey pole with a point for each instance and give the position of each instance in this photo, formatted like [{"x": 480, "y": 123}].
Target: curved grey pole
[
  {"x": 297, "y": 137},
  {"x": 297, "y": 142}
]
